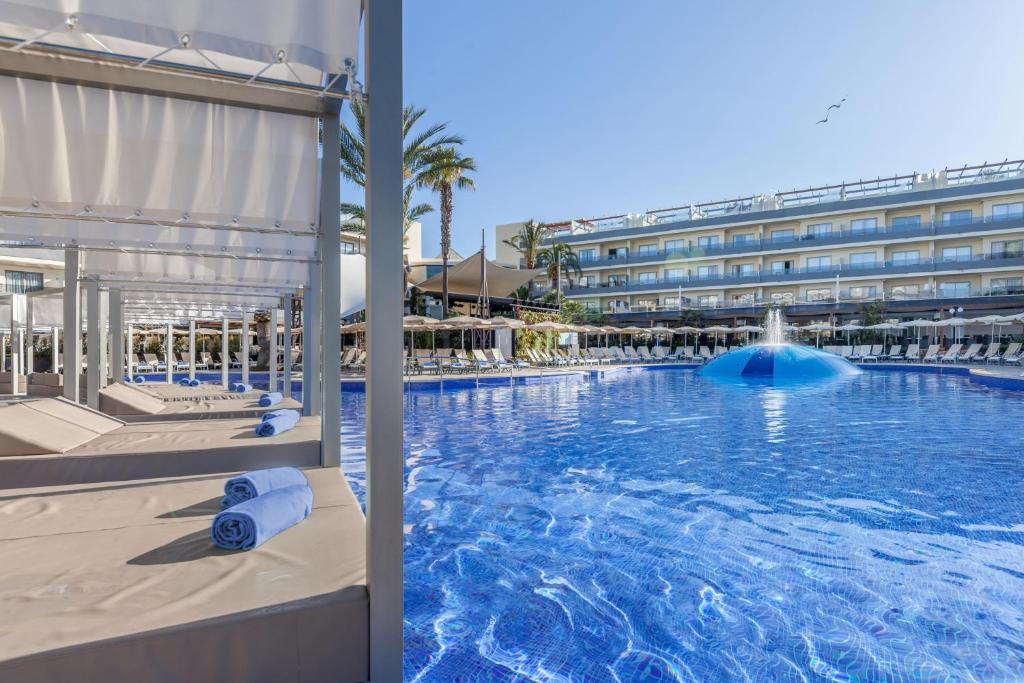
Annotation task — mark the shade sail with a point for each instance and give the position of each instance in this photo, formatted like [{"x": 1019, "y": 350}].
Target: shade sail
[
  {"x": 70, "y": 150},
  {"x": 293, "y": 41},
  {"x": 464, "y": 278}
]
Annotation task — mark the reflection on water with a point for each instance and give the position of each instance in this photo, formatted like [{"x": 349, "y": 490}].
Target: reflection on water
[{"x": 661, "y": 527}]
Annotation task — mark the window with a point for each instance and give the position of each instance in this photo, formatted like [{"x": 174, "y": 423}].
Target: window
[
  {"x": 956, "y": 254},
  {"x": 617, "y": 280},
  {"x": 672, "y": 301},
  {"x": 618, "y": 252},
  {"x": 860, "y": 226},
  {"x": 823, "y": 294},
  {"x": 647, "y": 278},
  {"x": 865, "y": 259},
  {"x": 675, "y": 245},
  {"x": 1003, "y": 212},
  {"x": 957, "y": 217},
  {"x": 1007, "y": 285},
  {"x": 587, "y": 281},
  {"x": 952, "y": 289},
  {"x": 618, "y": 304},
  {"x": 787, "y": 235},
  {"x": 743, "y": 299},
  {"x": 745, "y": 238},
  {"x": 707, "y": 300},
  {"x": 817, "y": 263},
  {"x": 706, "y": 272},
  {"x": 647, "y": 303},
  {"x": 20, "y": 281},
  {"x": 904, "y": 222},
  {"x": 863, "y": 292},
  {"x": 819, "y": 230},
  {"x": 1008, "y": 249},
  {"x": 708, "y": 241},
  {"x": 591, "y": 306},
  {"x": 743, "y": 270},
  {"x": 783, "y": 297},
  {"x": 906, "y": 258},
  {"x": 348, "y": 248},
  {"x": 782, "y": 266},
  {"x": 674, "y": 274},
  {"x": 647, "y": 250},
  {"x": 587, "y": 255},
  {"x": 905, "y": 291}
]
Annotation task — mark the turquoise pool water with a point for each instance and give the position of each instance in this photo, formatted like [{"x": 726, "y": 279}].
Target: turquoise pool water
[{"x": 654, "y": 525}]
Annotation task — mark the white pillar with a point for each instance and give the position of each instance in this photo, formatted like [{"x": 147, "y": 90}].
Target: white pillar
[
  {"x": 169, "y": 354},
  {"x": 130, "y": 348},
  {"x": 3, "y": 352},
  {"x": 311, "y": 349},
  {"x": 330, "y": 295},
  {"x": 104, "y": 338},
  {"x": 191, "y": 349},
  {"x": 384, "y": 295},
  {"x": 30, "y": 351},
  {"x": 17, "y": 320},
  {"x": 92, "y": 340},
  {"x": 224, "y": 352},
  {"x": 246, "y": 322},
  {"x": 116, "y": 335},
  {"x": 287, "y": 345},
  {"x": 275, "y": 318},
  {"x": 72, "y": 326}
]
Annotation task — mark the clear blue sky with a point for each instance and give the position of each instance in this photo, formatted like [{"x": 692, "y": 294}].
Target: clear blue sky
[{"x": 587, "y": 108}]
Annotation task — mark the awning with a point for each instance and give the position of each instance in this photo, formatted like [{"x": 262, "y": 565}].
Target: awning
[{"x": 464, "y": 278}]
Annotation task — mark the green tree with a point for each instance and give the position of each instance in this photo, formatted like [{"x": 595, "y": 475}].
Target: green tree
[
  {"x": 418, "y": 148},
  {"x": 529, "y": 241},
  {"x": 557, "y": 259},
  {"x": 445, "y": 170}
]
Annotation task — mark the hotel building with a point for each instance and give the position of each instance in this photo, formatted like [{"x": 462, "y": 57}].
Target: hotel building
[{"x": 919, "y": 242}]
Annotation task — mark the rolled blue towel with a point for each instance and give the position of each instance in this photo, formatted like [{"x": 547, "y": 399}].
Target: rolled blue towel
[
  {"x": 185, "y": 382},
  {"x": 258, "y": 482},
  {"x": 270, "y": 398},
  {"x": 139, "y": 379},
  {"x": 250, "y": 524},
  {"x": 240, "y": 388},
  {"x": 276, "y": 413},
  {"x": 194, "y": 383},
  {"x": 277, "y": 424},
  {"x": 127, "y": 379}
]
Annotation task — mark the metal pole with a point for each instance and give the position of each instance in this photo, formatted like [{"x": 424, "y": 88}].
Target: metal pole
[
  {"x": 191, "y": 348},
  {"x": 72, "y": 325},
  {"x": 169, "y": 354},
  {"x": 17, "y": 316},
  {"x": 307, "y": 349},
  {"x": 384, "y": 416},
  {"x": 128, "y": 371},
  {"x": 225, "y": 354},
  {"x": 54, "y": 350},
  {"x": 92, "y": 370},
  {"x": 116, "y": 334},
  {"x": 287, "y": 345},
  {"x": 246, "y": 322},
  {"x": 311, "y": 360},
  {"x": 104, "y": 320},
  {"x": 29, "y": 337},
  {"x": 330, "y": 295},
  {"x": 275, "y": 318}
]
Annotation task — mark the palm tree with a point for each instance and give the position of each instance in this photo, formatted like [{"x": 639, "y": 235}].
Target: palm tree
[
  {"x": 418, "y": 149},
  {"x": 528, "y": 241},
  {"x": 559, "y": 258},
  {"x": 445, "y": 170}
]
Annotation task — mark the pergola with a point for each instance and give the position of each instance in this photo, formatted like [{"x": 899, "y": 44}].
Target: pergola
[{"x": 184, "y": 158}]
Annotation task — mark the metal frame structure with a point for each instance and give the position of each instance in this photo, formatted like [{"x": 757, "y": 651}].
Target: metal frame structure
[{"x": 53, "y": 62}]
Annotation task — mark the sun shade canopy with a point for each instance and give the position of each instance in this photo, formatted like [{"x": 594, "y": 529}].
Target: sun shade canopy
[{"x": 464, "y": 278}]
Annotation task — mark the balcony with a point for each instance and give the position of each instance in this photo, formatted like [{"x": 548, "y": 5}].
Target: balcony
[
  {"x": 796, "y": 242},
  {"x": 845, "y": 270}
]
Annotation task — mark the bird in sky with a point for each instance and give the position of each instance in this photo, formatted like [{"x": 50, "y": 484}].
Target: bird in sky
[{"x": 828, "y": 111}]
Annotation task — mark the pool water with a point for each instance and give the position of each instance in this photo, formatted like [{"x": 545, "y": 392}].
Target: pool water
[{"x": 655, "y": 525}]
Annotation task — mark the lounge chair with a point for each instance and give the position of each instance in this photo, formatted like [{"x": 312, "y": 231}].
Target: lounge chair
[
  {"x": 598, "y": 355},
  {"x": 1010, "y": 355},
  {"x": 645, "y": 355},
  {"x": 705, "y": 353},
  {"x": 181, "y": 362},
  {"x": 360, "y": 362},
  {"x": 933, "y": 354},
  {"x": 143, "y": 365},
  {"x": 951, "y": 354},
  {"x": 155, "y": 362},
  {"x": 970, "y": 354},
  {"x": 499, "y": 357},
  {"x": 425, "y": 361},
  {"x": 491, "y": 363},
  {"x": 631, "y": 354},
  {"x": 208, "y": 361},
  {"x": 991, "y": 352},
  {"x": 660, "y": 353}
]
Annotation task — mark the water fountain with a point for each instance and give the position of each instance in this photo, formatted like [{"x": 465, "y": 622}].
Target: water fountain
[{"x": 777, "y": 360}]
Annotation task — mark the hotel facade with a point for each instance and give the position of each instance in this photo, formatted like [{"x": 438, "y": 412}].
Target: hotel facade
[{"x": 921, "y": 243}]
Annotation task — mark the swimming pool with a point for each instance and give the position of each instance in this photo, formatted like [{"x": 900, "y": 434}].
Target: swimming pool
[{"x": 653, "y": 525}]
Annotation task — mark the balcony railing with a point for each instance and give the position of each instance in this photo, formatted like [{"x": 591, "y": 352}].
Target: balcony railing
[
  {"x": 886, "y": 268},
  {"x": 836, "y": 237}
]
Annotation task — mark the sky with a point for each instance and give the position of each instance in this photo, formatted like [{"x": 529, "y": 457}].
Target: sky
[{"x": 578, "y": 109}]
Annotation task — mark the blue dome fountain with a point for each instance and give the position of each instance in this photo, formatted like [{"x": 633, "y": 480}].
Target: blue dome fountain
[{"x": 778, "y": 361}]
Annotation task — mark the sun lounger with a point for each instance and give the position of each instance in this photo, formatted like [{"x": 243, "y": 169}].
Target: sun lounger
[
  {"x": 1010, "y": 355},
  {"x": 645, "y": 355},
  {"x": 933, "y": 354},
  {"x": 951, "y": 354},
  {"x": 992, "y": 351},
  {"x": 970, "y": 354},
  {"x": 705, "y": 353},
  {"x": 631, "y": 353},
  {"x": 170, "y": 606}
]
